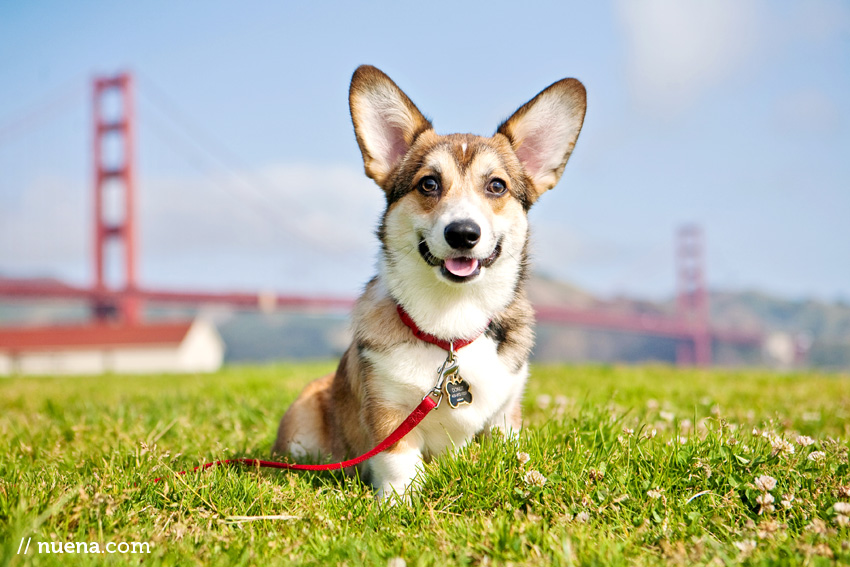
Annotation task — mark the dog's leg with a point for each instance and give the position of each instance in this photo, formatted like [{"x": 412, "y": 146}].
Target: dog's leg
[
  {"x": 303, "y": 431},
  {"x": 394, "y": 471}
]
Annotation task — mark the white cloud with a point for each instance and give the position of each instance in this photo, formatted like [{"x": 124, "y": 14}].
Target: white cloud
[
  {"x": 329, "y": 209},
  {"x": 676, "y": 50},
  {"x": 309, "y": 226},
  {"x": 289, "y": 226}
]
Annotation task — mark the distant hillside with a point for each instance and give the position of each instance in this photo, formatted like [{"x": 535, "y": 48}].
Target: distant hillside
[
  {"x": 823, "y": 327},
  {"x": 826, "y": 326}
]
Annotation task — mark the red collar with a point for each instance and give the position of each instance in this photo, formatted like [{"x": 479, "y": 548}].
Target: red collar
[{"x": 429, "y": 338}]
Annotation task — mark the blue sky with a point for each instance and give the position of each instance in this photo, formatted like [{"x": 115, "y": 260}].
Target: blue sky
[{"x": 732, "y": 114}]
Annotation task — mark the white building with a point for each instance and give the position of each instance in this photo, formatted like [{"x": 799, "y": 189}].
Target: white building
[{"x": 126, "y": 349}]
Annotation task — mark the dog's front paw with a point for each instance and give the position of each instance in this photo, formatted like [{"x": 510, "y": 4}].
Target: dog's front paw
[
  {"x": 394, "y": 475},
  {"x": 390, "y": 496}
]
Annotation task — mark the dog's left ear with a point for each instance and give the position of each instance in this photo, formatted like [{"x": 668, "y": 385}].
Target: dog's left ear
[
  {"x": 544, "y": 131},
  {"x": 386, "y": 122}
]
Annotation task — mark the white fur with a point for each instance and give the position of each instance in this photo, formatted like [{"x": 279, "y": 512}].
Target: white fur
[
  {"x": 393, "y": 473},
  {"x": 403, "y": 374},
  {"x": 306, "y": 443}
]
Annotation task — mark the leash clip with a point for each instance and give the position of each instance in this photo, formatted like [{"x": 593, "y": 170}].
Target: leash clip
[{"x": 449, "y": 368}]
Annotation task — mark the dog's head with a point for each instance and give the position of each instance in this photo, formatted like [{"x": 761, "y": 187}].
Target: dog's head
[{"x": 455, "y": 224}]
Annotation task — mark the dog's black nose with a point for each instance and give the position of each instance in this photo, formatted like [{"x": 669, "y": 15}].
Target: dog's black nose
[{"x": 462, "y": 234}]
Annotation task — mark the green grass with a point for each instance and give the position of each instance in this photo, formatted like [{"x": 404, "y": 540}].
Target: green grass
[{"x": 643, "y": 466}]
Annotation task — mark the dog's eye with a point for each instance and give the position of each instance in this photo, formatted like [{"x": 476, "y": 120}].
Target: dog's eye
[
  {"x": 497, "y": 187},
  {"x": 429, "y": 186}
]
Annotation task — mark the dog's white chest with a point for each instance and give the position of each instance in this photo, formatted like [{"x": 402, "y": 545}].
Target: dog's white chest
[{"x": 404, "y": 374}]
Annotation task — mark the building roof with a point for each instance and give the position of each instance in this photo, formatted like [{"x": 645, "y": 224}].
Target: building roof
[{"x": 92, "y": 336}]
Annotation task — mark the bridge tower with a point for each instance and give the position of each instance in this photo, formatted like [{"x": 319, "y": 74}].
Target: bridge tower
[
  {"x": 692, "y": 300},
  {"x": 114, "y": 197}
]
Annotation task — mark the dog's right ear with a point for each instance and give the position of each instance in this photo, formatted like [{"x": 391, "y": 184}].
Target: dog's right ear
[{"x": 385, "y": 121}]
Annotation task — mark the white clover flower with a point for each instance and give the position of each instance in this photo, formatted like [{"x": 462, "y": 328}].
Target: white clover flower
[
  {"x": 841, "y": 508},
  {"x": 543, "y": 401},
  {"x": 817, "y": 526},
  {"x": 765, "y": 499},
  {"x": 780, "y": 445},
  {"x": 582, "y": 517},
  {"x": 534, "y": 478},
  {"x": 765, "y": 483},
  {"x": 804, "y": 440},
  {"x": 842, "y": 520},
  {"x": 765, "y": 502},
  {"x": 667, "y": 416},
  {"x": 628, "y": 431},
  {"x": 786, "y": 501},
  {"x": 523, "y": 457},
  {"x": 654, "y": 493},
  {"x": 746, "y": 547},
  {"x": 816, "y": 456}
]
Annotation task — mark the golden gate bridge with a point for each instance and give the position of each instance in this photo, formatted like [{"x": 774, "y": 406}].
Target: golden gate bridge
[{"x": 121, "y": 304}]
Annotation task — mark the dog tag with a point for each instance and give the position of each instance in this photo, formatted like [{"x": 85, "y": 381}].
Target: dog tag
[
  {"x": 457, "y": 389},
  {"x": 450, "y": 383}
]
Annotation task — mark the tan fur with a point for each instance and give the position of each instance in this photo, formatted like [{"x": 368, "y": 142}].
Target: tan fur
[{"x": 306, "y": 419}]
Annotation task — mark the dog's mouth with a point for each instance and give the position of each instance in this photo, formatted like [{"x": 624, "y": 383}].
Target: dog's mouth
[{"x": 459, "y": 268}]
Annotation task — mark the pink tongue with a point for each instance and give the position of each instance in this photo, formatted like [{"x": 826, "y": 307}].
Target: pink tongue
[{"x": 461, "y": 267}]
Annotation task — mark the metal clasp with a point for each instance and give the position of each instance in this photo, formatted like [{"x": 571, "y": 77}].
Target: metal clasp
[{"x": 450, "y": 367}]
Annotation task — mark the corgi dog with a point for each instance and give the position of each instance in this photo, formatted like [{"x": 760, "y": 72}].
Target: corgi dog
[{"x": 450, "y": 286}]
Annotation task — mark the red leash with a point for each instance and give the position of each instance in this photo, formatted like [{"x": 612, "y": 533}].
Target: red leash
[
  {"x": 427, "y": 404},
  {"x": 416, "y": 416}
]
